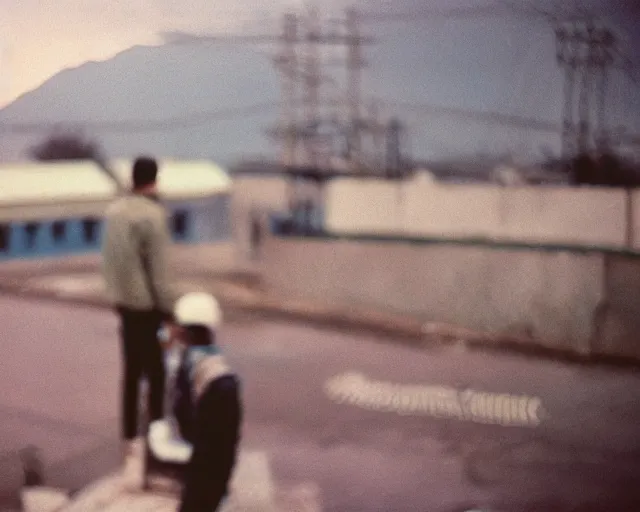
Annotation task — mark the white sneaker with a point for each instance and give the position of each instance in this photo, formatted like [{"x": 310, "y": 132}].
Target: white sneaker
[
  {"x": 133, "y": 447},
  {"x": 132, "y": 471}
]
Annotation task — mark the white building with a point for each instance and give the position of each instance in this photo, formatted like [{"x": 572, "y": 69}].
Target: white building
[{"x": 56, "y": 208}]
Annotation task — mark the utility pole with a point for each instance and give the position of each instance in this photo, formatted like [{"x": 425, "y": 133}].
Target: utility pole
[
  {"x": 585, "y": 51},
  {"x": 377, "y": 135},
  {"x": 355, "y": 64},
  {"x": 394, "y": 160},
  {"x": 312, "y": 83},
  {"x": 287, "y": 63},
  {"x": 603, "y": 60},
  {"x": 568, "y": 59},
  {"x": 585, "y": 39},
  {"x": 308, "y": 38}
]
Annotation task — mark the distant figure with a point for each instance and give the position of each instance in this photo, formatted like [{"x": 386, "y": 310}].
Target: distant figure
[
  {"x": 135, "y": 246},
  {"x": 585, "y": 171},
  {"x": 208, "y": 405},
  {"x": 32, "y": 466},
  {"x": 256, "y": 235},
  {"x": 309, "y": 208}
]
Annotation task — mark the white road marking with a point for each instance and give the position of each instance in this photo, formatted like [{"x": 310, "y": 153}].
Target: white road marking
[
  {"x": 437, "y": 401},
  {"x": 302, "y": 498},
  {"x": 43, "y": 499},
  {"x": 143, "y": 503},
  {"x": 252, "y": 482},
  {"x": 68, "y": 285},
  {"x": 98, "y": 495},
  {"x": 252, "y": 489}
]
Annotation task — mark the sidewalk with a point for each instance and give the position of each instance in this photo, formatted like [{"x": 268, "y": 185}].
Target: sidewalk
[
  {"x": 237, "y": 285},
  {"x": 211, "y": 268},
  {"x": 252, "y": 490},
  {"x": 239, "y": 288}
]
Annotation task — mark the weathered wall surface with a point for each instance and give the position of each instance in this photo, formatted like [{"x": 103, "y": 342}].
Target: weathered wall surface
[
  {"x": 364, "y": 206},
  {"x": 619, "y": 321},
  {"x": 586, "y": 302},
  {"x": 552, "y": 296}
]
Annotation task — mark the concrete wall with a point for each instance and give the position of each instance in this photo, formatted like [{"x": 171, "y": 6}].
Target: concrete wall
[
  {"x": 552, "y": 296},
  {"x": 364, "y": 206},
  {"x": 451, "y": 210},
  {"x": 618, "y": 321},
  {"x": 582, "y": 302},
  {"x": 420, "y": 208},
  {"x": 581, "y": 216}
]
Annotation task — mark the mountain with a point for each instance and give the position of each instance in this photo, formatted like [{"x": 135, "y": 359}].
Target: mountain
[
  {"x": 182, "y": 83},
  {"x": 467, "y": 69}
]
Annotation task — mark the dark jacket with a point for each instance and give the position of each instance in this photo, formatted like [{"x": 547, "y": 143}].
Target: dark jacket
[{"x": 206, "y": 389}]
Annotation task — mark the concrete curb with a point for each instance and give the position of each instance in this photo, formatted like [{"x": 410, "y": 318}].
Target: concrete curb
[
  {"x": 258, "y": 303},
  {"x": 404, "y": 329},
  {"x": 44, "y": 499},
  {"x": 253, "y": 490}
]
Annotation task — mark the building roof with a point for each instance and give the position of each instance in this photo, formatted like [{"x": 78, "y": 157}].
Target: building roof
[
  {"x": 180, "y": 179},
  {"x": 54, "y": 182}
]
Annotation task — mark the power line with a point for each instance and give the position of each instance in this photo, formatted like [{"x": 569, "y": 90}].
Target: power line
[
  {"x": 586, "y": 51},
  {"x": 301, "y": 65},
  {"x": 477, "y": 115},
  {"x": 591, "y": 51},
  {"x": 142, "y": 125},
  {"x": 499, "y": 8},
  {"x": 186, "y": 38},
  {"x": 492, "y": 10},
  {"x": 309, "y": 40}
]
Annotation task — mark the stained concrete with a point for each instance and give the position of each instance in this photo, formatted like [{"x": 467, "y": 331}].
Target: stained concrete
[{"x": 551, "y": 297}]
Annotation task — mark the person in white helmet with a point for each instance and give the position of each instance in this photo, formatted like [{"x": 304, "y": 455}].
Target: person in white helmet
[{"x": 207, "y": 406}]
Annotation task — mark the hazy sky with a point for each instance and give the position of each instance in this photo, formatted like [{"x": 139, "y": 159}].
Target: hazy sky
[{"x": 41, "y": 37}]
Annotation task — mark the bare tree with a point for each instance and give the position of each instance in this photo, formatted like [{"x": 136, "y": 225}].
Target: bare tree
[
  {"x": 66, "y": 147},
  {"x": 73, "y": 146}
]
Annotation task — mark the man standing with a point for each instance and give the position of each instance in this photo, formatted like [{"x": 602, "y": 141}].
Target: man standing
[{"x": 135, "y": 266}]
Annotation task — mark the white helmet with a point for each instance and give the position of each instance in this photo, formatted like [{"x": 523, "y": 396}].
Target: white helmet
[{"x": 198, "y": 308}]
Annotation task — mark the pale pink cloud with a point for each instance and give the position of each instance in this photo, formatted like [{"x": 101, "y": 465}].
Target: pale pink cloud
[{"x": 42, "y": 37}]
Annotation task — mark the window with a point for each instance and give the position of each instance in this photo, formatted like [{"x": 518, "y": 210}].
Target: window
[
  {"x": 59, "y": 231},
  {"x": 31, "y": 230},
  {"x": 5, "y": 231},
  {"x": 180, "y": 219},
  {"x": 90, "y": 230}
]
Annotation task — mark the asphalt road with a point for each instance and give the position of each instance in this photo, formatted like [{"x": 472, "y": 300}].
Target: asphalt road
[{"x": 60, "y": 370}]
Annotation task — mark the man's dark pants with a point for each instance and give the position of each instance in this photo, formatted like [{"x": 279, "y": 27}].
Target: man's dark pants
[
  {"x": 216, "y": 434},
  {"x": 142, "y": 355}
]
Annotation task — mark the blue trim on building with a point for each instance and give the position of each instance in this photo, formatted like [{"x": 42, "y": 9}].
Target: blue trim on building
[
  {"x": 190, "y": 223},
  {"x": 37, "y": 239}
]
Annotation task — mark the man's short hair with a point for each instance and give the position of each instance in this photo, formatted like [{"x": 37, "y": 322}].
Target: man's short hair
[{"x": 145, "y": 172}]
